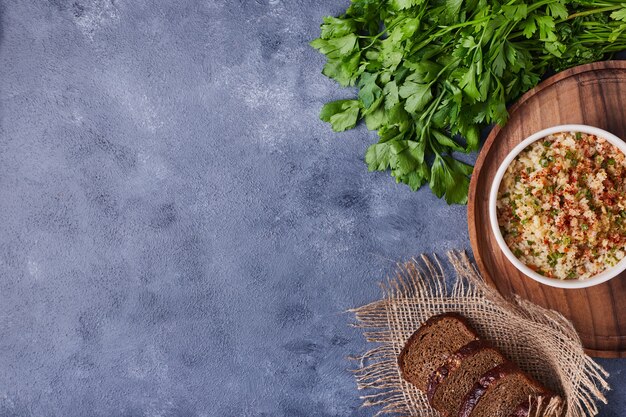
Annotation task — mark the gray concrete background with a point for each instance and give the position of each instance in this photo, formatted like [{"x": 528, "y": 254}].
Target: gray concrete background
[{"x": 180, "y": 234}]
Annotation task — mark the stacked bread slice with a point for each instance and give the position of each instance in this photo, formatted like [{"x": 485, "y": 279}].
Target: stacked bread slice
[{"x": 464, "y": 376}]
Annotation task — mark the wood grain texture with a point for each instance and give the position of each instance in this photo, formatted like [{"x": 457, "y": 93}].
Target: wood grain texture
[{"x": 593, "y": 94}]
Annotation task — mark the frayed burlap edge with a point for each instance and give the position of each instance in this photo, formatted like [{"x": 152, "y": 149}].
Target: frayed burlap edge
[{"x": 542, "y": 342}]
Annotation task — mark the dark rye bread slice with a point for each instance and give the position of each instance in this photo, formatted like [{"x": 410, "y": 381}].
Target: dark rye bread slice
[
  {"x": 500, "y": 392},
  {"x": 430, "y": 346},
  {"x": 449, "y": 384}
]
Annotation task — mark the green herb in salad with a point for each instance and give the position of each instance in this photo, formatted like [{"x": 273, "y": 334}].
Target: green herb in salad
[{"x": 432, "y": 74}]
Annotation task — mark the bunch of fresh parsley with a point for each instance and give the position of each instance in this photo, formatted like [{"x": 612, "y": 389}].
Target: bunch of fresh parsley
[{"x": 432, "y": 74}]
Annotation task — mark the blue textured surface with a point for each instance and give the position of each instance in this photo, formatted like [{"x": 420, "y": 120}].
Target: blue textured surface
[{"x": 180, "y": 235}]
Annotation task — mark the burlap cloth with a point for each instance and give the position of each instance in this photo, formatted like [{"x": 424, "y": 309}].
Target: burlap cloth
[{"x": 542, "y": 342}]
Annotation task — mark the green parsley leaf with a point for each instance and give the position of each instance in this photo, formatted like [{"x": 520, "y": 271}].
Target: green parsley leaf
[
  {"x": 342, "y": 114},
  {"x": 403, "y": 4},
  {"x": 453, "y": 7},
  {"x": 499, "y": 61},
  {"x": 345, "y": 71},
  {"x": 468, "y": 83},
  {"x": 369, "y": 91},
  {"x": 546, "y": 28},
  {"x": 515, "y": 12},
  {"x": 529, "y": 27},
  {"x": 449, "y": 180},
  {"x": 336, "y": 47},
  {"x": 377, "y": 157},
  {"x": 557, "y": 9},
  {"x": 447, "y": 141},
  {"x": 416, "y": 95},
  {"x": 620, "y": 14},
  {"x": 377, "y": 118},
  {"x": 391, "y": 94},
  {"x": 334, "y": 27}
]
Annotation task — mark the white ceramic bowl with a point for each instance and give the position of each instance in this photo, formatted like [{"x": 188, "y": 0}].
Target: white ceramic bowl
[{"x": 605, "y": 275}]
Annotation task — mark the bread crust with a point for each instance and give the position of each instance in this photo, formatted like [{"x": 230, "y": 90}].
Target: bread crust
[
  {"x": 482, "y": 385},
  {"x": 492, "y": 376},
  {"x": 429, "y": 323},
  {"x": 452, "y": 364}
]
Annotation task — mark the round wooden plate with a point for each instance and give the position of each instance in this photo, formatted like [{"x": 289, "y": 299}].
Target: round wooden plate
[{"x": 593, "y": 94}]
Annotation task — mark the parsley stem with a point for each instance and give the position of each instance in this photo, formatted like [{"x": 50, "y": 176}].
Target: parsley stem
[
  {"x": 463, "y": 24},
  {"x": 385, "y": 29},
  {"x": 445, "y": 29},
  {"x": 432, "y": 108},
  {"x": 589, "y": 12}
]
